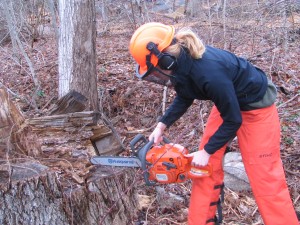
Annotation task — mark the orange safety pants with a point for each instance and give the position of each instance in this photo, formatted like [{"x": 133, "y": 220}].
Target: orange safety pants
[{"x": 259, "y": 142}]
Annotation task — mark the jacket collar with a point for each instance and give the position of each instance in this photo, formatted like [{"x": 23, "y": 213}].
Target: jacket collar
[{"x": 184, "y": 63}]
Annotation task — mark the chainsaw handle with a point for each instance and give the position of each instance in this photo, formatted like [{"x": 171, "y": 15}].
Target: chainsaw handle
[
  {"x": 142, "y": 156},
  {"x": 166, "y": 140},
  {"x": 138, "y": 143}
]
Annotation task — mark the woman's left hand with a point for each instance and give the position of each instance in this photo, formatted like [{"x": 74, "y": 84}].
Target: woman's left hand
[{"x": 200, "y": 158}]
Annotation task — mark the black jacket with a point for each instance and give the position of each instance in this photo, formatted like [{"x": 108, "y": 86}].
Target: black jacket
[{"x": 229, "y": 81}]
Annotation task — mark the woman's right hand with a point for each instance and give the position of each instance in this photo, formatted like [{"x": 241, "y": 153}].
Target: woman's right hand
[{"x": 157, "y": 133}]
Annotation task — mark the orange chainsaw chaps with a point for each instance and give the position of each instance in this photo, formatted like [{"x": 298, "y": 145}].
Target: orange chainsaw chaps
[
  {"x": 260, "y": 149},
  {"x": 264, "y": 167},
  {"x": 203, "y": 190}
]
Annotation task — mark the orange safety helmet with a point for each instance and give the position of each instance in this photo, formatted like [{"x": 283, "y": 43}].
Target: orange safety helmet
[{"x": 159, "y": 34}]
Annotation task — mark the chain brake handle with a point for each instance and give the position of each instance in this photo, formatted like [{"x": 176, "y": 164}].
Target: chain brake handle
[
  {"x": 140, "y": 146},
  {"x": 137, "y": 143}
]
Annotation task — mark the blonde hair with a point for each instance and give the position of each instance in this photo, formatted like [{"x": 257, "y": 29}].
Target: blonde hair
[{"x": 186, "y": 38}]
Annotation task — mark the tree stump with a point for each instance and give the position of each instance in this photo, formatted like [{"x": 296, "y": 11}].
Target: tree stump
[
  {"x": 34, "y": 194},
  {"x": 46, "y": 176}
]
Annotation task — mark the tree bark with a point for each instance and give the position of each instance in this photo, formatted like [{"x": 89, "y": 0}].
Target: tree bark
[
  {"x": 34, "y": 194},
  {"x": 77, "y": 44}
]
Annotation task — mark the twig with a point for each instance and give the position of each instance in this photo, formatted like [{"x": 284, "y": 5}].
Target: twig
[
  {"x": 256, "y": 208},
  {"x": 49, "y": 64},
  {"x": 201, "y": 117},
  {"x": 295, "y": 201},
  {"x": 9, "y": 90},
  {"x": 287, "y": 101},
  {"x": 172, "y": 221},
  {"x": 140, "y": 130},
  {"x": 24, "y": 167},
  {"x": 47, "y": 103},
  {"x": 237, "y": 215},
  {"x": 291, "y": 172},
  {"x": 164, "y": 99},
  {"x": 287, "y": 113},
  {"x": 253, "y": 58},
  {"x": 149, "y": 208}
]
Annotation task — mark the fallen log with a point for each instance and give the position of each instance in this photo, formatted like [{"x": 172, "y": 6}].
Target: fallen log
[{"x": 79, "y": 130}]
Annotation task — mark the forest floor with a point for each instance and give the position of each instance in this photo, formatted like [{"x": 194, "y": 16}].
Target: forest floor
[{"x": 134, "y": 106}]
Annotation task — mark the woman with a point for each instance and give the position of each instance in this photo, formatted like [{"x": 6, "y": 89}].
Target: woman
[{"x": 243, "y": 100}]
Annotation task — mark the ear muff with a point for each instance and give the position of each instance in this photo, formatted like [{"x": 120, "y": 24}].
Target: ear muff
[{"x": 165, "y": 60}]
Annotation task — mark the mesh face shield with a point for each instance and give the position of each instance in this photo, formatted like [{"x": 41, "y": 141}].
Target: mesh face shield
[{"x": 155, "y": 75}]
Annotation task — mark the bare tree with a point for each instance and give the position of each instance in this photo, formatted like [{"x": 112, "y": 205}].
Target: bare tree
[
  {"x": 224, "y": 23},
  {"x": 77, "y": 58},
  {"x": 18, "y": 45},
  {"x": 54, "y": 12}
]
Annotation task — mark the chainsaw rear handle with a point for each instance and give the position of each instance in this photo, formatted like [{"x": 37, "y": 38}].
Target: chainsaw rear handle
[{"x": 140, "y": 147}]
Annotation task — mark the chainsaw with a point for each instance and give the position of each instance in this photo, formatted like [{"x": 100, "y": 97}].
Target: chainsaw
[{"x": 163, "y": 164}]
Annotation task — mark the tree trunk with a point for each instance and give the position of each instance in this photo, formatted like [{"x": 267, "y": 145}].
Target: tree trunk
[
  {"x": 77, "y": 44},
  {"x": 53, "y": 182}
]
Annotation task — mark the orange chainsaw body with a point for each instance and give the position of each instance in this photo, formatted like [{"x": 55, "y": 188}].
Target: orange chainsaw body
[{"x": 168, "y": 164}]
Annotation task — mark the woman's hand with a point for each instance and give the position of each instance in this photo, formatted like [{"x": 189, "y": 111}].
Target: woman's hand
[
  {"x": 200, "y": 158},
  {"x": 157, "y": 133}
]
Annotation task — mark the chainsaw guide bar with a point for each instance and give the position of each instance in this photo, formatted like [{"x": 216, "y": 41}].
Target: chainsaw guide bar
[{"x": 116, "y": 161}]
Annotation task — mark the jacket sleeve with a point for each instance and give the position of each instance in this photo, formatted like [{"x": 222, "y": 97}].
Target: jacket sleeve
[
  {"x": 178, "y": 107},
  {"x": 223, "y": 95}
]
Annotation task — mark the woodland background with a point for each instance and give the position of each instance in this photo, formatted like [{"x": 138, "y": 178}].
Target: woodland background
[{"x": 266, "y": 32}]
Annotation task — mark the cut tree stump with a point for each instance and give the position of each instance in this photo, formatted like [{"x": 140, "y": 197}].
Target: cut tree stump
[
  {"x": 37, "y": 195},
  {"x": 46, "y": 176}
]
